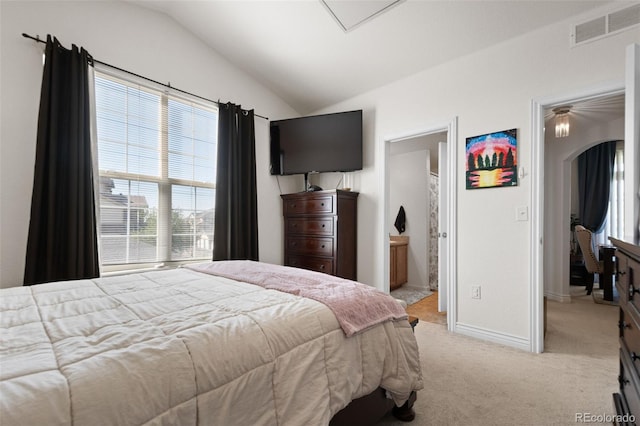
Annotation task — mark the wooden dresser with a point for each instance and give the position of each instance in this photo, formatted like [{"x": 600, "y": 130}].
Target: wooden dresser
[
  {"x": 627, "y": 401},
  {"x": 320, "y": 231}
]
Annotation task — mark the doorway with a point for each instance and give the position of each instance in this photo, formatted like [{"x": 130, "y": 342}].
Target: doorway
[
  {"x": 631, "y": 89},
  {"x": 593, "y": 121},
  {"x": 427, "y": 142},
  {"x": 552, "y": 198}
]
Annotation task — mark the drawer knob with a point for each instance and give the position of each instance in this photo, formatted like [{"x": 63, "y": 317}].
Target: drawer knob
[
  {"x": 323, "y": 225},
  {"x": 623, "y": 381},
  {"x": 632, "y": 291},
  {"x": 634, "y": 356},
  {"x": 322, "y": 246},
  {"x": 623, "y": 324},
  {"x": 321, "y": 266}
]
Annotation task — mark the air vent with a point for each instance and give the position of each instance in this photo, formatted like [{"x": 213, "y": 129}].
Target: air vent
[
  {"x": 606, "y": 25},
  {"x": 591, "y": 29},
  {"x": 624, "y": 18}
]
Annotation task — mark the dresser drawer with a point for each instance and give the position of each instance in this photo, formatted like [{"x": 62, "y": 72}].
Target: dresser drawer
[
  {"x": 311, "y": 263},
  {"x": 310, "y": 246},
  {"x": 630, "y": 334},
  {"x": 309, "y": 205},
  {"x": 629, "y": 383},
  {"x": 623, "y": 294},
  {"x": 630, "y": 281},
  {"x": 622, "y": 411},
  {"x": 310, "y": 226},
  {"x": 622, "y": 262}
]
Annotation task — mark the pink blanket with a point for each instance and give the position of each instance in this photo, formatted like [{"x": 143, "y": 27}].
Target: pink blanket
[{"x": 356, "y": 306}]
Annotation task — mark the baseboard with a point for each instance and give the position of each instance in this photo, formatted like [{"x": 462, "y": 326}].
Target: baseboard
[
  {"x": 562, "y": 298},
  {"x": 494, "y": 336}
]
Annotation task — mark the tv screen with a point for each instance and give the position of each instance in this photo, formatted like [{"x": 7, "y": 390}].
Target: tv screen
[{"x": 319, "y": 143}]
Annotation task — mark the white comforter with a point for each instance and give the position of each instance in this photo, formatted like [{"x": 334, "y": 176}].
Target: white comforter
[{"x": 183, "y": 348}]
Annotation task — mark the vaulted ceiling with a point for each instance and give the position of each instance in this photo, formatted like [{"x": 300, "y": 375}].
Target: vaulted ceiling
[{"x": 302, "y": 52}]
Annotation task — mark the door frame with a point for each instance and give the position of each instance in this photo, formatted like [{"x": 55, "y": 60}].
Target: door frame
[
  {"x": 451, "y": 127},
  {"x": 443, "y": 217}
]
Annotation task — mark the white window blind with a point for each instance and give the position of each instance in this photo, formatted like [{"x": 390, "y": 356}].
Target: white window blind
[{"x": 157, "y": 157}]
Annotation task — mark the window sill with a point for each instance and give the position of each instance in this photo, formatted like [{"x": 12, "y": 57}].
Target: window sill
[{"x": 115, "y": 270}]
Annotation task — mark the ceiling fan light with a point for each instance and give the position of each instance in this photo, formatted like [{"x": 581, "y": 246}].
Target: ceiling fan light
[{"x": 562, "y": 122}]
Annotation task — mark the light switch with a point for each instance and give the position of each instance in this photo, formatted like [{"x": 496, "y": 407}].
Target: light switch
[{"x": 522, "y": 213}]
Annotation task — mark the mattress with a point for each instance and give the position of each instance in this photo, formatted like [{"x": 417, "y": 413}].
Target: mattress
[{"x": 181, "y": 347}]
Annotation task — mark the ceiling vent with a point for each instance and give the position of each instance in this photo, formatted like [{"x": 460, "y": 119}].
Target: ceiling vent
[{"x": 606, "y": 25}]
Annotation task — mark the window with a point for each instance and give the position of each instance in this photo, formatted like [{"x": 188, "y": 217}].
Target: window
[
  {"x": 614, "y": 223},
  {"x": 157, "y": 158}
]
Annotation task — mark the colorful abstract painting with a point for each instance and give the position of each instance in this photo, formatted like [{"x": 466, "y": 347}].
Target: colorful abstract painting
[{"x": 492, "y": 160}]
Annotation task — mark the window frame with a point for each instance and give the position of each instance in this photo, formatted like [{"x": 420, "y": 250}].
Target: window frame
[{"x": 163, "y": 181}]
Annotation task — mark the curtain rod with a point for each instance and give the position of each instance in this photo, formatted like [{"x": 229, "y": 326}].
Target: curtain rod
[{"x": 37, "y": 38}]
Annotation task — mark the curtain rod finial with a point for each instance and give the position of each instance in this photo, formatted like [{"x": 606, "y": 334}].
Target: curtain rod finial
[{"x": 36, "y": 38}]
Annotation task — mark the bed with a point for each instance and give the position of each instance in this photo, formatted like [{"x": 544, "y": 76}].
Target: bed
[{"x": 229, "y": 343}]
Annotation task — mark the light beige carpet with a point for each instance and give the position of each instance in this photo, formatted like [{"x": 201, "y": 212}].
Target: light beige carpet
[{"x": 471, "y": 382}]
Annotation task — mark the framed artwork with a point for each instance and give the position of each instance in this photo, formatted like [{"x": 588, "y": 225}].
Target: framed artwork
[{"x": 492, "y": 160}]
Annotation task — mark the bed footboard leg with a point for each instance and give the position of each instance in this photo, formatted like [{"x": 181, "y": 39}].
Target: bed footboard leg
[{"x": 406, "y": 413}]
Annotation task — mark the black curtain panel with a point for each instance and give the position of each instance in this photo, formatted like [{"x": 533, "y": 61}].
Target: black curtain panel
[
  {"x": 235, "y": 233},
  {"x": 595, "y": 171},
  {"x": 62, "y": 242}
]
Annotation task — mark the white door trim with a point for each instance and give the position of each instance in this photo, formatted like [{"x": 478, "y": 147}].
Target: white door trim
[
  {"x": 443, "y": 227},
  {"x": 451, "y": 127},
  {"x": 631, "y": 144}
]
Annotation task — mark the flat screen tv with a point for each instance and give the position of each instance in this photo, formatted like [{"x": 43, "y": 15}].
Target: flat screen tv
[{"x": 315, "y": 144}]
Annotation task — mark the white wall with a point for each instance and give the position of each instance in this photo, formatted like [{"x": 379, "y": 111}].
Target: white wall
[
  {"x": 136, "y": 39},
  {"x": 559, "y": 155},
  {"x": 489, "y": 90},
  {"x": 409, "y": 187}
]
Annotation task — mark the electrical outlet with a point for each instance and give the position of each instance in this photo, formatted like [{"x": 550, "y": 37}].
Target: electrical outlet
[{"x": 475, "y": 292}]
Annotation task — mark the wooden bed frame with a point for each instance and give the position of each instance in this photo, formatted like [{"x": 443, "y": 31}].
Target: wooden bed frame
[{"x": 369, "y": 409}]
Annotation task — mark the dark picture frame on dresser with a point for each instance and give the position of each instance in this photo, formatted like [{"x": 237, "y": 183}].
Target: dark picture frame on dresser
[
  {"x": 627, "y": 400},
  {"x": 321, "y": 231}
]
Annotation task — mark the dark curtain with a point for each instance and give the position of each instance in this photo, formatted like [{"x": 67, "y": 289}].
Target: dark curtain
[
  {"x": 62, "y": 242},
  {"x": 595, "y": 171},
  {"x": 235, "y": 233}
]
